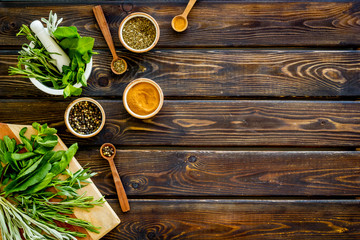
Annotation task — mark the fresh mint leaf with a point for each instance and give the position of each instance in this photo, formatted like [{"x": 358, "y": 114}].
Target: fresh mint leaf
[
  {"x": 70, "y": 44},
  {"x": 22, "y": 156},
  {"x": 60, "y": 166},
  {"x": 47, "y": 130},
  {"x": 25, "y": 140},
  {"x": 36, "y": 126},
  {"x": 86, "y": 57},
  {"x": 85, "y": 45},
  {"x": 66, "y": 32},
  {"x": 80, "y": 77},
  {"x": 9, "y": 144},
  {"x": 71, "y": 91},
  {"x": 48, "y": 141}
]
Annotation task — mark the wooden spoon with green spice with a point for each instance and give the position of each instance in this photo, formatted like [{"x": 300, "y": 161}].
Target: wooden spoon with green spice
[
  {"x": 118, "y": 65},
  {"x": 108, "y": 152}
]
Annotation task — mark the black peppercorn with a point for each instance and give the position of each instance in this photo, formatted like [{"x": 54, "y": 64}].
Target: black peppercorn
[
  {"x": 85, "y": 117},
  {"x": 108, "y": 151}
]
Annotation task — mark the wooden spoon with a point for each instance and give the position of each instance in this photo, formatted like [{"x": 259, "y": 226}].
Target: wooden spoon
[
  {"x": 182, "y": 18},
  {"x": 100, "y": 18},
  {"x": 124, "y": 203}
]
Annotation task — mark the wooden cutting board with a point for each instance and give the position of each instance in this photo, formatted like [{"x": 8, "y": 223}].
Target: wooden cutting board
[{"x": 100, "y": 216}]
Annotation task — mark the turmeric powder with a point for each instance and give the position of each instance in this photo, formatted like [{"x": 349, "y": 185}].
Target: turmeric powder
[
  {"x": 179, "y": 23},
  {"x": 143, "y": 98}
]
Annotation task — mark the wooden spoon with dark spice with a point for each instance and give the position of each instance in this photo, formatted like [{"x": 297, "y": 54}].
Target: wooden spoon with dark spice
[
  {"x": 118, "y": 65},
  {"x": 108, "y": 152}
]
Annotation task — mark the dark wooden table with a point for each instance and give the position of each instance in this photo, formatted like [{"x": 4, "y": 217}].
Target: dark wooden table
[{"x": 258, "y": 133}]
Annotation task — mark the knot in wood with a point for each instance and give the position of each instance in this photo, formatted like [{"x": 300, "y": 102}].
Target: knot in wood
[
  {"x": 192, "y": 159},
  {"x": 135, "y": 185},
  {"x": 151, "y": 235},
  {"x": 103, "y": 82}
]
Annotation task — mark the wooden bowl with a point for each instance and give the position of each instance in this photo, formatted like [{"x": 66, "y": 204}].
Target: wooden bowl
[
  {"x": 139, "y": 14},
  {"x": 133, "y": 83},
  {"x": 67, "y": 113}
]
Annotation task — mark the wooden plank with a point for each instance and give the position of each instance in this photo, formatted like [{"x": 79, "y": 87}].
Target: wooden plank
[
  {"x": 209, "y": 123},
  {"x": 215, "y": 73},
  {"x": 239, "y": 219},
  {"x": 241, "y": 25},
  {"x": 228, "y": 173}
]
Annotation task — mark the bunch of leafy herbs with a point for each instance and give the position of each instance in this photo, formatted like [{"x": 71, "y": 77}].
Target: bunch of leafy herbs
[
  {"x": 27, "y": 176},
  {"x": 34, "y": 60}
]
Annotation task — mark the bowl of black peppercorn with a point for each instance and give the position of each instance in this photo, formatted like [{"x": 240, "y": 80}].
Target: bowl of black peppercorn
[{"x": 84, "y": 117}]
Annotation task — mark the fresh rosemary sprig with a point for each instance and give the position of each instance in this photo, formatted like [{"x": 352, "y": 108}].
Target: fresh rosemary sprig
[{"x": 12, "y": 220}]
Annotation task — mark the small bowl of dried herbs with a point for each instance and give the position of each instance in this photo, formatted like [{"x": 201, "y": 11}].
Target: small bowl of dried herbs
[
  {"x": 84, "y": 117},
  {"x": 139, "y": 32}
]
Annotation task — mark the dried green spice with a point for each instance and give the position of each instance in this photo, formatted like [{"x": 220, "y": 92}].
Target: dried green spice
[
  {"x": 139, "y": 33},
  {"x": 85, "y": 117},
  {"x": 119, "y": 65}
]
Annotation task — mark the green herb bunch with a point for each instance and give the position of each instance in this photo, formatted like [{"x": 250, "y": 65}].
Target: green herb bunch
[
  {"x": 34, "y": 60},
  {"x": 32, "y": 196}
]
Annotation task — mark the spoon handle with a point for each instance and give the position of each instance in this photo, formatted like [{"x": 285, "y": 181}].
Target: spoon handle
[
  {"x": 124, "y": 203},
  {"x": 100, "y": 18},
  {"x": 188, "y": 8}
]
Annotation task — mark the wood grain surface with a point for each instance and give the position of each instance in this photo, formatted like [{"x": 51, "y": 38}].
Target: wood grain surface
[
  {"x": 228, "y": 173},
  {"x": 211, "y": 24},
  {"x": 209, "y": 123},
  {"x": 214, "y": 73},
  {"x": 239, "y": 219},
  {"x": 245, "y": 79}
]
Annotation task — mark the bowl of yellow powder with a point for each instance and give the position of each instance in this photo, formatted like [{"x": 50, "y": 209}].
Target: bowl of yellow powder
[
  {"x": 143, "y": 98},
  {"x": 139, "y": 32}
]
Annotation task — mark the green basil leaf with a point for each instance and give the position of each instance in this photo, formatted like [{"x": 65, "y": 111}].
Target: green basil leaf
[
  {"x": 9, "y": 144},
  {"x": 36, "y": 126},
  {"x": 6, "y": 180},
  {"x": 33, "y": 179},
  {"x": 86, "y": 57},
  {"x": 25, "y": 140},
  {"x": 57, "y": 156},
  {"x": 42, "y": 128},
  {"x": 11, "y": 161},
  {"x": 48, "y": 141},
  {"x": 70, "y": 44},
  {"x": 80, "y": 78},
  {"x": 26, "y": 171},
  {"x": 22, "y": 156},
  {"x": 72, "y": 91},
  {"x": 3, "y": 148},
  {"x": 66, "y": 32},
  {"x": 85, "y": 45},
  {"x": 49, "y": 131},
  {"x": 42, "y": 149},
  {"x": 80, "y": 62},
  {"x": 40, "y": 186},
  {"x": 59, "y": 167},
  {"x": 29, "y": 173}
]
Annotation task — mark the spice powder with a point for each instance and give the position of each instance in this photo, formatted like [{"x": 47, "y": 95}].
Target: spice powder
[
  {"x": 139, "y": 33},
  {"x": 179, "y": 23},
  {"x": 143, "y": 98}
]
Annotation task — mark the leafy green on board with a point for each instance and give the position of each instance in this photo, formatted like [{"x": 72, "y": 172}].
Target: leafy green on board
[
  {"x": 25, "y": 176},
  {"x": 60, "y": 166},
  {"x": 25, "y": 140}
]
